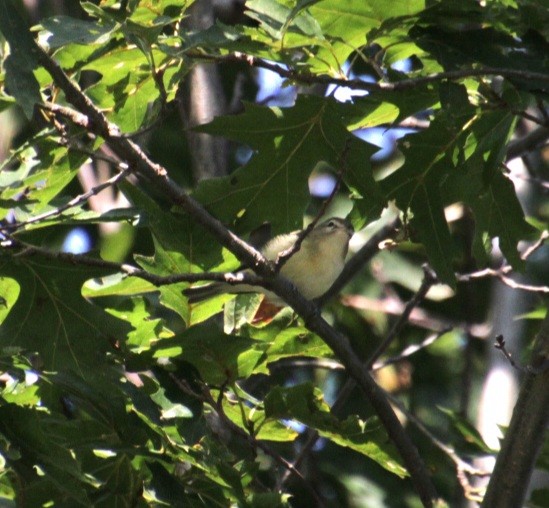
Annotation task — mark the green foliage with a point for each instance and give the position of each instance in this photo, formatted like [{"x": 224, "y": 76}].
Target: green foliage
[
  {"x": 304, "y": 405},
  {"x": 289, "y": 143},
  {"x": 50, "y": 299},
  {"x": 118, "y": 392}
]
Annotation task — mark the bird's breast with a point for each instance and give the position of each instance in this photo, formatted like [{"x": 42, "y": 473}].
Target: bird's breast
[{"x": 313, "y": 271}]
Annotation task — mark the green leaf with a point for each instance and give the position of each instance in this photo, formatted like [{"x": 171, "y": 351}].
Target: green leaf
[
  {"x": 469, "y": 433},
  {"x": 52, "y": 318},
  {"x": 305, "y": 404},
  {"x": 366, "y": 112},
  {"x": 325, "y": 33},
  {"x": 296, "y": 341},
  {"x": 6, "y": 101},
  {"x": 120, "y": 480},
  {"x": 35, "y": 174},
  {"x": 219, "y": 358},
  {"x": 168, "y": 263},
  {"x": 386, "y": 107},
  {"x": 485, "y": 45},
  {"x": 20, "y": 80},
  {"x": 63, "y": 30},
  {"x": 345, "y": 23},
  {"x": 179, "y": 234},
  {"x": 256, "y": 422},
  {"x": 8, "y": 296},
  {"x": 23, "y": 429},
  {"x": 116, "y": 285},
  {"x": 207, "y": 491},
  {"x": 127, "y": 87},
  {"x": 416, "y": 186},
  {"x": 538, "y": 313},
  {"x": 76, "y": 215},
  {"x": 480, "y": 183},
  {"x": 289, "y": 143},
  {"x": 103, "y": 401},
  {"x": 240, "y": 310},
  {"x": 170, "y": 409},
  {"x": 282, "y": 22},
  {"x": 16, "y": 390},
  {"x": 179, "y": 244},
  {"x": 146, "y": 329},
  {"x": 82, "y": 457}
]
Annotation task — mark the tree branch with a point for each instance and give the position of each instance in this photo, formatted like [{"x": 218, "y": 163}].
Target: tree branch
[
  {"x": 410, "y": 350},
  {"x": 526, "y": 433},
  {"x": 419, "y": 317},
  {"x": 28, "y": 250},
  {"x": 358, "y": 84},
  {"x": 502, "y": 272},
  {"x": 76, "y": 201},
  {"x": 429, "y": 279},
  {"x": 283, "y": 257},
  {"x": 139, "y": 163},
  {"x": 351, "y": 383},
  {"x": 529, "y": 142}
]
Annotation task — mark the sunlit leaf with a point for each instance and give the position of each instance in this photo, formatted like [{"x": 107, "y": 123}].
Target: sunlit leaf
[{"x": 306, "y": 405}]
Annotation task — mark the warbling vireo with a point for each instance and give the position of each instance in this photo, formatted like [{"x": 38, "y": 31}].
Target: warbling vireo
[{"x": 312, "y": 269}]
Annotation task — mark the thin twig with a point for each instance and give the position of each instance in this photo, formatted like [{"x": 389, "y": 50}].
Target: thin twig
[
  {"x": 76, "y": 201},
  {"x": 429, "y": 279},
  {"x": 530, "y": 369},
  {"x": 542, "y": 109},
  {"x": 419, "y": 317},
  {"x": 410, "y": 350},
  {"x": 527, "y": 143},
  {"x": 327, "y": 364},
  {"x": 500, "y": 344},
  {"x": 358, "y": 84},
  {"x": 524, "y": 287},
  {"x": 531, "y": 118},
  {"x": 535, "y": 246},
  {"x": 284, "y": 256},
  {"x": 27, "y": 250},
  {"x": 500, "y": 274},
  {"x": 158, "y": 75}
]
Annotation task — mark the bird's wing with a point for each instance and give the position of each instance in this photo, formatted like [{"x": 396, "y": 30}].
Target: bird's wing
[{"x": 279, "y": 244}]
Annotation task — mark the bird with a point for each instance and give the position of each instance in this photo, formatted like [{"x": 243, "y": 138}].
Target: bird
[{"x": 312, "y": 269}]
